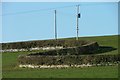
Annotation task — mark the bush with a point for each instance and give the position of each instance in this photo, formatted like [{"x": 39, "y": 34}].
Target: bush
[
  {"x": 90, "y": 48},
  {"x": 42, "y": 43},
  {"x": 69, "y": 59}
]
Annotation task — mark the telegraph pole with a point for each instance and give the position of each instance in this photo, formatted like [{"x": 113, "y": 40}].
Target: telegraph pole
[
  {"x": 77, "y": 17},
  {"x": 55, "y": 25}
]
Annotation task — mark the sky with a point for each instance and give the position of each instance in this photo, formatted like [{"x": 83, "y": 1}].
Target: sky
[
  {"x": 60, "y": 0},
  {"x": 24, "y": 21}
]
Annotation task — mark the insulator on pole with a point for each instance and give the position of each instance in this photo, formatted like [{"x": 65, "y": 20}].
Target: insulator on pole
[{"x": 79, "y": 15}]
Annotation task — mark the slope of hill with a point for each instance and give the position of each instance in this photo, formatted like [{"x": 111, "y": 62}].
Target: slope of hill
[
  {"x": 108, "y": 44},
  {"x": 11, "y": 70}
]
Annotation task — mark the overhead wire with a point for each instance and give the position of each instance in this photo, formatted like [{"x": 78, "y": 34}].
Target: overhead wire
[
  {"x": 39, "y": 10},
  {"x": 66, "y": 14},
  {"x": 50, "y": 9}
]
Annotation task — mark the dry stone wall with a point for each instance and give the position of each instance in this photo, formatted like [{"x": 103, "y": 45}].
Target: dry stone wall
[{"x": 69, "y": 56}]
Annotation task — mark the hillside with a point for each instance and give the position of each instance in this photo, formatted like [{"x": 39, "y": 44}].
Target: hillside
[
  {"x": 108, "y": 44},
  {"x": 11, "y": 70}
]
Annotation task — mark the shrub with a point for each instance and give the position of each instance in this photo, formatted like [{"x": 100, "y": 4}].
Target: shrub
[{"x": 69, "y": 59}]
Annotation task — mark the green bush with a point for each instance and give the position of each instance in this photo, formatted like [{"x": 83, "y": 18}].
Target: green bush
[
  {"x": 43, "y": 43},
  {"x": 69, "y": 59}
]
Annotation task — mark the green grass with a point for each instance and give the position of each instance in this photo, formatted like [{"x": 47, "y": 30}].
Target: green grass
[
  {"x": 11, "y": 69},
  {"x": 91, "y": 72},
  {"x": 110, "y": 41}
]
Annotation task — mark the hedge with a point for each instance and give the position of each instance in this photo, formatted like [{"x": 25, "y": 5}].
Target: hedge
[
  {"x": 68, "y": 59},
  {"x": 85, "y": 49},
  {"x": 43, "y": 43}
]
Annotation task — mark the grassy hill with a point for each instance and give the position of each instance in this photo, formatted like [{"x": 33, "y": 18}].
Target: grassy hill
[
  {"x": 107, "y": 41},
  {"x": 11, "y": 69},
  {"x": 108, "y": 44}
]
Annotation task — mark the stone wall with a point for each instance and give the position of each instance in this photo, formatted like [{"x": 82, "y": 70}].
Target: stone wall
[
  {"x": 85, "y": 49},
  {"x": 69, "y": 60},
  {"x": 69, "y": 56}
]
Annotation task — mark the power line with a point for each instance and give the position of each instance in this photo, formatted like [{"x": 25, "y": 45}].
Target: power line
[
  {"x": 31, "y": 11},
  {"x": 48, "y": 9},
  {"x": 66, "y": 14}
]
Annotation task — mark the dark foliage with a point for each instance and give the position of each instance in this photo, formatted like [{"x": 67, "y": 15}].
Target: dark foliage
[
  {"x": 86, "y": 49},
  {"x": 43, "y": 43},
  {"x": 69, "y": 59}
]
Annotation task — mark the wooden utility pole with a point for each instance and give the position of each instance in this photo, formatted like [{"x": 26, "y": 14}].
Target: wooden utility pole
[
  {"x": 55, "y": 25},
  {"x": 77, "y": 17}
]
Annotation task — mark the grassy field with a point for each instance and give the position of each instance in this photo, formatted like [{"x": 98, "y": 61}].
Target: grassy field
[
  {"x": 108, "y": 41},
  {"x": 11, "y": 69}
]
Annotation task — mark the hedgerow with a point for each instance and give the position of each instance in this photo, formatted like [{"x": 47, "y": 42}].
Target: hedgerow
[{"x": 69, "y": 59}]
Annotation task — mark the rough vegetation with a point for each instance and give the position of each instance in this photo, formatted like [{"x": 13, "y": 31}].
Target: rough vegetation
[
  {"x": 108, "y": 46},
  {"x": 87, "y": 48},
  {"x": 70, "y": 56},
  {"x": 43, "y": 43},
  {"x": 70, "y": 60}
]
